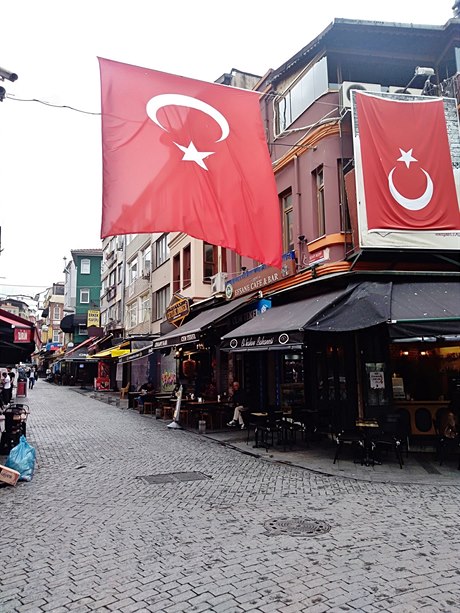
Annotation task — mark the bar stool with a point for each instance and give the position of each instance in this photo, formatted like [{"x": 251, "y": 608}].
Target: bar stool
[{"x": 148, "y": 408}]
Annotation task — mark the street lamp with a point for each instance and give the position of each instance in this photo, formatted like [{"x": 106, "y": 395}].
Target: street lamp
[{"x": 420, "y": 71}]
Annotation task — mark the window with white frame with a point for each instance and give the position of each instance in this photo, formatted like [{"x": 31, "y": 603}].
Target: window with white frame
[
  {"x": 301, "y": 95},
  {"x": 146, "y": 261},
  {"x": 132, "y": 315},
  {"x": 144, "y": 314},
  {"x": 133, "y": 272},
  {"x": 56, "y": 312},
  {"x": 161, "y": 250},
  {"x": 84, "y": 296},
  {"x": 85, "y": 266},
  {"x": 56, "y": 335},
  {"x": 120, "y": 273},
  {"x": 160, "y": 302}
]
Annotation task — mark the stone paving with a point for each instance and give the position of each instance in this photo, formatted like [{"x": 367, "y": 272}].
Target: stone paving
[{"x": 87, "y": 534}]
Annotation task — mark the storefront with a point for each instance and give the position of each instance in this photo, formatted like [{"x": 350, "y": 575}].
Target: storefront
[
  {"x": 338, "y": 354},
  {"x": 199, "y": 364}
]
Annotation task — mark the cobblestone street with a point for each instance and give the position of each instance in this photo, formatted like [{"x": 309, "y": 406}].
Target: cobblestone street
[{"x": 87, "y": 534}]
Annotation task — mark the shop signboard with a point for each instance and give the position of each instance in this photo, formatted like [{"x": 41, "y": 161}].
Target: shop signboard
[
  {"x": 22, "y": 335},
  {"x": 178, "y": 310},
  {"x": 93, "y": 318},
  {"x": 259, "y": 278}
]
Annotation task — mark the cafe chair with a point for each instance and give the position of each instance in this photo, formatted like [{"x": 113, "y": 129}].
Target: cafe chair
[
  {"x": 445, "y": 445},
  {"x": 124, "y": 391},
  {"x": 389, "y": 435},
  {"x": 351, "y": 438}
]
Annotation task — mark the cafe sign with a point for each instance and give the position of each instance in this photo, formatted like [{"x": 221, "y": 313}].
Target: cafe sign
[
  {"x": 259, "y": 278},
  {"x": 278, "y": 340},
  {"x": 93, "y": 319},
  {"x": 22, "y": 335},
  {"x": 178, "y": 310}
]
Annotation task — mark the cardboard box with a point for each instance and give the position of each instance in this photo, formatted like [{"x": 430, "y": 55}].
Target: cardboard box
[{"x": 8, "y": 475}]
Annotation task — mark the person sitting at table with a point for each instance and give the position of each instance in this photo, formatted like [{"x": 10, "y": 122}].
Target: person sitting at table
[
  {"x": 237, "y": 399},
  {"x": 146, "y": 394}
]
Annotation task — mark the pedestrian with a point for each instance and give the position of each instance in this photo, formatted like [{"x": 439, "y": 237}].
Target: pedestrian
[
  {"x": 6, "y": 389},
  {"x": 237, "y": 398},
  {"x": 12, "y": 375},
  {"x": 31, "y": 379}
]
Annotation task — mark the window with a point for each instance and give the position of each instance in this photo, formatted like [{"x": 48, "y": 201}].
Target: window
[
  {"x": 82, "y": 330},
  {"x": 161, "y": 300},
  {"x": 186, "y": 266},
  {"x": 287, "y": 222},
  {"x": 144, "y": 308},
  {"x": 84, "y": 296},
  {"x": 345, "y": 224},
  {"x": 176, "y": 273},
  {"x": 146, "y": 261},
  {"x": 85, "y": 267},
  {"x": 308, "y": 88},
  {"x": 112, "y": 278},
  {"x": 161, "y": 250},
  {"x": 120, "y": 273},
  {"x": 211, "y": 255},
  {"x": 132, "y": 315},
  {"x": 56, "y": 336},
  {"x": 209, "y": 262},
  {"x": 56, "y": 312},
  {"x": 318, "y": 176},
  {"x": 132, "y": 271}
]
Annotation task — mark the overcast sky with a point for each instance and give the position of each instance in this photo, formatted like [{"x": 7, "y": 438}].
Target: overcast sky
[{"x": 50, "y": 158}]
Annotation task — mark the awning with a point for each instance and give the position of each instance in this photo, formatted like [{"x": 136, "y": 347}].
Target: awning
[
  {"x": 410, "y": 308},
  {"x": 69, "y": 322},
  {"x": 80, "y": 352},
  {"x": 136, "y": 355},
  {"x": 13, "y": 322},
  {"x": 98, "y": 342},
  {"x": 112, "y": 352},
  {"x": 191, "y": 331},
  {"x": 281, "y": 327},
  {"x": 425, "y": 309}
]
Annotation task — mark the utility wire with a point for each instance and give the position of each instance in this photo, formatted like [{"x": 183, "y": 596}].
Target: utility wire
[{"x": 58, "y": 106}]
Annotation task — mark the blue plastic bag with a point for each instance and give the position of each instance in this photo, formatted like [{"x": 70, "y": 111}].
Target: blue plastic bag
[{"x": 22, "y": 459}]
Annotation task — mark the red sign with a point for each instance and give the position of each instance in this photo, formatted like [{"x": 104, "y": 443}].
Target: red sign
[
  {"x": 407, "y": 166},
  {"x": 22, "y": 335},
  {"x": 190, "y": 156}
]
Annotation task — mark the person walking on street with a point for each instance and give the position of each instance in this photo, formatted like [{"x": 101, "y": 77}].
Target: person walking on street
[
  {"x": 6, "y": 390},
  {"x": 31, "y": 379}
]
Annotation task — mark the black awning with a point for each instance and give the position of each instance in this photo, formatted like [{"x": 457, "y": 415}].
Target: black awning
[
  {"x": 429, "y": 308},
  {"x": 191, "y": 331},
  {"x": 362, "y": 305},
  {"x": 279, "y": 327},
  {"x": 410, "y": 308}
]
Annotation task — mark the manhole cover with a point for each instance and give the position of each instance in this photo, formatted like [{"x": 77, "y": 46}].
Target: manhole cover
[
  {"x": 174, "y": 477},
  {"x": 296, "y": 527}
]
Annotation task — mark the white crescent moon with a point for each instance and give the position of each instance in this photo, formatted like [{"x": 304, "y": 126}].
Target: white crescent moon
[
  {"x": 412, "y": 204},
  {"x": 158, "y": 102}
]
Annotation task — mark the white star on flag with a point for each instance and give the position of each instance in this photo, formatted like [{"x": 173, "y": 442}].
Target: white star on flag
[
  {"x": 406, "y": 157},
  {"x": 191, "y": 154}
]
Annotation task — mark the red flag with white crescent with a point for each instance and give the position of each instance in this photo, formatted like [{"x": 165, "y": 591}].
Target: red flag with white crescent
[
  {"x": 407, "y": 166},
  {"x": 189, "y": 156}
]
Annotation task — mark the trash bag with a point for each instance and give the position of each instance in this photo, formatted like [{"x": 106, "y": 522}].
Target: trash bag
[{"x": 22, "y": 459}]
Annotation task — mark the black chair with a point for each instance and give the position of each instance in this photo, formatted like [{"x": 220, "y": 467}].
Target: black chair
[
  {"x": 447, "y": 439},
  {"x": 389, "y": 435},
  {"x": 352, "y": 438}
]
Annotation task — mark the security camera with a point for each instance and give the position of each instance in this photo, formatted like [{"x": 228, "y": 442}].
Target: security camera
[{"x": 6, "y": 74}]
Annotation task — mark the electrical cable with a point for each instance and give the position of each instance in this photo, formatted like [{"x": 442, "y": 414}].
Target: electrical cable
[{"x": 58, "y": 106}]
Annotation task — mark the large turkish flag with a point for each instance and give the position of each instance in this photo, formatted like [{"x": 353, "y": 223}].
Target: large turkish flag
[
  {"x": 185, "y": 155},
  {"x": 407, "y": 166}
]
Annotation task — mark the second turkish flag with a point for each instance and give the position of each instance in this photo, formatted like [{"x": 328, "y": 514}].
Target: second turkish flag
[{"x": 407, "y": 166}]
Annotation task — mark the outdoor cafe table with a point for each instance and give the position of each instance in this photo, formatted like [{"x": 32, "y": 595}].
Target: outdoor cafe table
[
  {"x": 205, "y": 407},
  {"x": 368, "y": 427}
]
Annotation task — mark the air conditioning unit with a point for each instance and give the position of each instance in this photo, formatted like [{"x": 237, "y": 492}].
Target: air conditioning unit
[
  {"x": 397, "y": 89},
  {"x": 218, "y": 283},
  {"x": 348, "y": 86}
]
